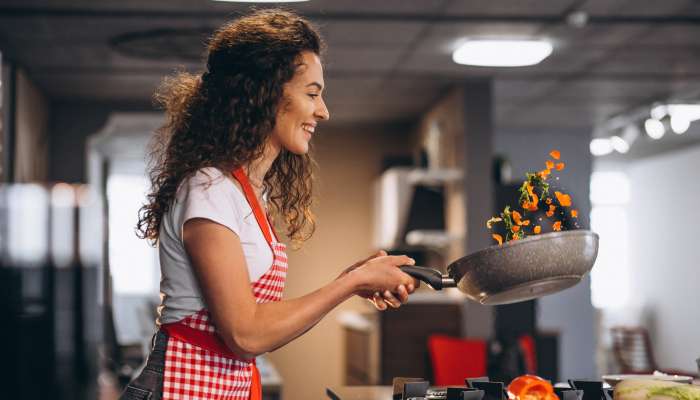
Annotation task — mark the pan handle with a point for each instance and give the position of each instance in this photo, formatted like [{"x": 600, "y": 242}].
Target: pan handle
[{"x": 430, "y": 276}]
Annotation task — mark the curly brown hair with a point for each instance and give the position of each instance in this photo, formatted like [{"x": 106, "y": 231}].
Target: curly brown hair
[{"x": 223, "y": 118}]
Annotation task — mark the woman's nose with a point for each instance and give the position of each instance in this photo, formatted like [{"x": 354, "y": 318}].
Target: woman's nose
[{"x": 322, "y": 111}]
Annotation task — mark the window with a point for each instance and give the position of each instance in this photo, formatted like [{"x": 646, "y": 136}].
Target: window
[
  {"x": 133, "y": 262},
  {"x": 610, "y": 279}
]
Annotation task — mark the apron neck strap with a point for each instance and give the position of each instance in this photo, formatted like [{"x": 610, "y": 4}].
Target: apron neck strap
[{"x": 260, "y": 216}]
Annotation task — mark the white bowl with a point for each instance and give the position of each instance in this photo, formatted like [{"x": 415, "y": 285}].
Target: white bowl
[{"x": 615, "y": 379}]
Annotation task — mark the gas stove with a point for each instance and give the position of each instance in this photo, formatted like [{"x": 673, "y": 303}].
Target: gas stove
[{"x": 474, "y": 389}]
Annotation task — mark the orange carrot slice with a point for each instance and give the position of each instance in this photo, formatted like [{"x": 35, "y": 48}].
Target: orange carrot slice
[
  {"x": 526, "y": 222},
  {"x": 556, "y": 226},
  {"x": 516, "y": 217},
  {"x": 560, "y": 166},
  {"x": 531, "y": 205},
  {"x": 549, "y": 164},
  {"x": 549, "y": 200},
  {"x": 555, "y": 154},
  {"x": 537, "y": 230},
  {"x": 515, "y": 228},
  {"x": 563, "y": 199},
  {"x": 574, "y": 213},
  {"x": 551, "y": 210},
  {"x": 497, "y": 238}
]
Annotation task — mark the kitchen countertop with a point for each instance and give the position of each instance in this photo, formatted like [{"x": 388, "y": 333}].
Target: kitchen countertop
[{"x": 360, "y": 393}]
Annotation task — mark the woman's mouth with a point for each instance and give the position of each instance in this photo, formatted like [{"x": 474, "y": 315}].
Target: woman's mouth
[{"x": 309, "y": 129}]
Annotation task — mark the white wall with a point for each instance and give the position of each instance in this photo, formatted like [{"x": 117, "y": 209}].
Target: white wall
[
  {"x": 664, "y": 221},
  {"x": 570, "y": 312}
]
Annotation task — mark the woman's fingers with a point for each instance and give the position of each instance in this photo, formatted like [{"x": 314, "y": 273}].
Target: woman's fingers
[
  {"x": 378, "y": 302},
  {"x": 384, "y": 284},
  {"x": 400, "y": 260},
  {"x": 402, "y": 293},
  {"x": 380, "y": 253},
  {"x": 391, "y": 300}
]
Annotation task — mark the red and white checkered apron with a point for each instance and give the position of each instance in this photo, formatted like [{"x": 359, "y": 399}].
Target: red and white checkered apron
[{"x": 198, "y": 366}]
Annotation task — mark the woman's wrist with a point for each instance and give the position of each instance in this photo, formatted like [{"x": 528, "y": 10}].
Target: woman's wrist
[{"x": 354, "y": 280}]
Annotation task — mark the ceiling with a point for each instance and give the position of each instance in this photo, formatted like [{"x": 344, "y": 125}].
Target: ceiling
[{"x": 388, "y": 60}]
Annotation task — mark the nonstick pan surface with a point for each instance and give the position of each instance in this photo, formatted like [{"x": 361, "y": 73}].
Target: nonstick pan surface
[{"x": 518, "y": 270}]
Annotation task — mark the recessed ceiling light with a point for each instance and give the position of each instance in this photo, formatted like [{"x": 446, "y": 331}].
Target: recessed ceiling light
[{"x": 502, "y": 53}]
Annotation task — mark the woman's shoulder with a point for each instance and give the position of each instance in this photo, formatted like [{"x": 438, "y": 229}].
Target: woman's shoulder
[
  {"x": 207, "y": 175},
  {"x": 211, "y": 181}
]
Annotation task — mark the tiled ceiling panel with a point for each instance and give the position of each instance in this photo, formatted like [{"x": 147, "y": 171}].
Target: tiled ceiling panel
[
  {"x": 387, "y": 60},
  {"x": 370, "y": 33},
  {"x": 374, "y": 7},
  {"x": 651, "y": 60},
  {"x": 565, "y": 35},
  {"x": 509, "y": 8},
  {"x": 673, "y": 35},
  {"x": 591, "y": 91},
  {"x": 514, "y": 91},
  {"x": 636, "y": 7},
  {"x": 367, "y": 60}
]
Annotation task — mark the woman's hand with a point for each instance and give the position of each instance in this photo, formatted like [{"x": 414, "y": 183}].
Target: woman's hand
[{"x": 381, "y": 282}]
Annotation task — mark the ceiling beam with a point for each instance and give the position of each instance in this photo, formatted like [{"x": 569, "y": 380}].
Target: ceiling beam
[
  {"x": 32, "y": 12},
  {"x": 670, "y": 76}
]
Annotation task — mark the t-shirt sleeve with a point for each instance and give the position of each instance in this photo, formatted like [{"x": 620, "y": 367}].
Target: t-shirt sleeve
[{"x": 210, "y": 195}]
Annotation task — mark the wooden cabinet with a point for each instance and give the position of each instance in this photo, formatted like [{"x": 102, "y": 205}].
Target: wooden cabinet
[{"x": 404, "y": 337}]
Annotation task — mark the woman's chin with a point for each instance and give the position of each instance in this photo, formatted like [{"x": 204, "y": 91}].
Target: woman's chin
[{"x": 300, "y": 149}]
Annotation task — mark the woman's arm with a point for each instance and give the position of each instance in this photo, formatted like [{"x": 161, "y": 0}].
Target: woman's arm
[{"x": 249, "y": 328}]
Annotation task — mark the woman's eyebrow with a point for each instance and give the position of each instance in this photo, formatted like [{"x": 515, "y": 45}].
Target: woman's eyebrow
[{"x": 318, "y": 85}]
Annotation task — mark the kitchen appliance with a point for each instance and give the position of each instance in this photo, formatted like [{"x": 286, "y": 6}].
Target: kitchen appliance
[
  {"x": 518, "y": 270},
  {"x": 409, "y": 206},
  {"x": 473, "y": 389}
]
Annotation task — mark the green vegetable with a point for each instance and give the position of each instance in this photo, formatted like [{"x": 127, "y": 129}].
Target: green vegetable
[
  {"x": 643, "y": 389},
  {"x": 684, "y": 392},
  {"x": 537, "y": 182}
]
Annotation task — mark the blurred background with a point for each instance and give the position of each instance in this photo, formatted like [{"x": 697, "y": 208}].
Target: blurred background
[{"x": 419, "y": 152}]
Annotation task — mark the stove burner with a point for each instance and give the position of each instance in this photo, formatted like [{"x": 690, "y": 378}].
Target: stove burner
[{"x": 483, "y": 389}]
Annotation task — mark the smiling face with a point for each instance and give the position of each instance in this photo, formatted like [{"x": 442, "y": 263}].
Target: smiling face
[{"x": 302, "y": 107}]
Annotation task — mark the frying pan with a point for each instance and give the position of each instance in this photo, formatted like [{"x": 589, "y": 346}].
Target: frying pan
[{"x": 518, "y": 270}]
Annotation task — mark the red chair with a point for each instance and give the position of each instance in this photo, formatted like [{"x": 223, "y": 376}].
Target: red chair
[
  {"x": 454, "y": 359},
  {"x": 527, "y": 347}
]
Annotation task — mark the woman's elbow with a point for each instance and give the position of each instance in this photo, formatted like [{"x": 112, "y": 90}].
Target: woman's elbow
[{"x": 244, "y": 345}]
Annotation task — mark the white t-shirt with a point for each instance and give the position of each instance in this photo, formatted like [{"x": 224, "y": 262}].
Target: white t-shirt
[{"x": 212, "y": 195}]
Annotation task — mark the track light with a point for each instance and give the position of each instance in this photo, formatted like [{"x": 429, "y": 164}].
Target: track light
[
  {"x": 654, "y": 128},
  {"x": 679, "y": 124},
  {"x": 601, "y": 146},
  {"x": 619, "y": 144}
]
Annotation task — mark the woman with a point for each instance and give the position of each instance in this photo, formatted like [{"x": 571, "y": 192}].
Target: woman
[{"x": 236, "y": 142}]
